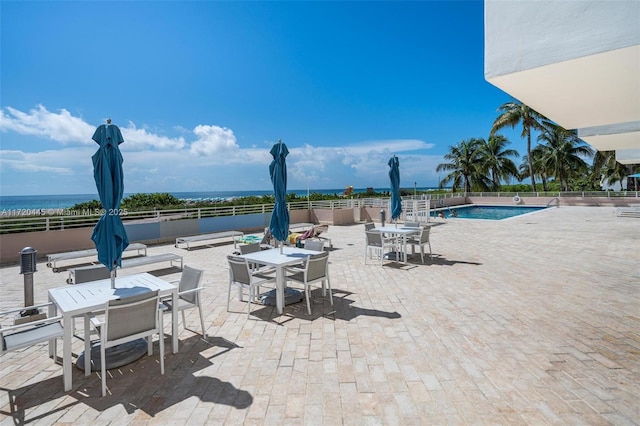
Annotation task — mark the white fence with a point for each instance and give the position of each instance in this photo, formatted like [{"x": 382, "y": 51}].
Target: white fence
[{"x": 414, "y": 208}]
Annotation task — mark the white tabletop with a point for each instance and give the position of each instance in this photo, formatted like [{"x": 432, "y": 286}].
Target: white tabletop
[
  {"x": 81, "y": 298},
  {"x": 397, "y": 230},
  {"x": 273, "y": 257}
]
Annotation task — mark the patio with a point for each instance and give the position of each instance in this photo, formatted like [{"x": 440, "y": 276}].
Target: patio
[{"x": 530, "y": 320}]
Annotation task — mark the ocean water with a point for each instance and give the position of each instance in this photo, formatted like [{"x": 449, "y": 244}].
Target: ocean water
[{"x": 32, "y": 204}]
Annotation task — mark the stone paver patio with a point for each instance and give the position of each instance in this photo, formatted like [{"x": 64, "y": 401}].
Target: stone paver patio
[{"x": 532, "y": 320}]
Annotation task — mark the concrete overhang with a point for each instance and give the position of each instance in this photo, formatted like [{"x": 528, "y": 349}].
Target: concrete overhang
[
  {"x": 595, "y": 90},
  {"x": 628, "y": 156},
  {"x": 576, "y": 62}
]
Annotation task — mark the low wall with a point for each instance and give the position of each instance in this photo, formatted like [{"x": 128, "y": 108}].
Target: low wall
[
  {"x": 332, "y": 216},
  {"x": 47, "y": 242}
]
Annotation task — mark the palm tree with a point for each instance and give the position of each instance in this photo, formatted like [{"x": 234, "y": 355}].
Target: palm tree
[
  {"x": 563, "y": 153},
  {"x": 516, "y": 112},
  {"x": 464, "y": 166},
  {"x": 607, "y": 169},
  {"x": 496, "y": 161},
  {"x": 541, "y": 168}
]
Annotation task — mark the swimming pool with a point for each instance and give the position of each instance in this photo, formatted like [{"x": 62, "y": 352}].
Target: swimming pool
[{"x": 489, "y": 212}]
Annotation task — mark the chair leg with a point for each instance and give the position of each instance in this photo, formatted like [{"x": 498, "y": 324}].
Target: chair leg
[
  {"x": 422, "y": 253},
  {"x": 228, "y": 296},
  {"x": 306, "y": 292},
  {"x": 103, "y": 364},
  {"x": 430, "y": 252},
  {"x": 249, "y": 301},
  {"x": 330, "y": 292},
  {"x": 201, "y": 320},
  {"x": 161, "y": 333}
]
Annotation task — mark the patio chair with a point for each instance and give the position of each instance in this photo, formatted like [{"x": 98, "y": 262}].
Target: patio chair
[
  {"x": 241, "y": 276},
  {"x": 20, "y": 336},
  {"x": 412, "y": 224},
  {"x": 377, "y": 242},
  {"x": 125, "y": 320},
  {"x": 189, "y": 289},
  {"x": 315, "y": 270},
  {"x": 421, "y": 240},
  {"x": 368, "y": 226},
  {"x": 316, "y": 245},
  {"x": 249, "y": 248}
]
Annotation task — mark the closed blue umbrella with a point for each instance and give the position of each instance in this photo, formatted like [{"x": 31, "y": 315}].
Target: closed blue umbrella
[
  {"x": 279, "y": 225},
  {"x": 109, "y": 234},
  {"x": 394, "y": 176}
]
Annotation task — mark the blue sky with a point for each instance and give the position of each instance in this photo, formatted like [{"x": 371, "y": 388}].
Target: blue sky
[{"x": 201, "y": 90}]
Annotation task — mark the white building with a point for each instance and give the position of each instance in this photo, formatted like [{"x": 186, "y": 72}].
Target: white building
[{"x": 576, "y": 62}]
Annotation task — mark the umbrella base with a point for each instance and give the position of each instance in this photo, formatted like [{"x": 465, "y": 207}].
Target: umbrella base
[
  {"x": 291, "y": 295},
  {"x": 393, "y": 255},
  {"x": 116, "y": 356}
]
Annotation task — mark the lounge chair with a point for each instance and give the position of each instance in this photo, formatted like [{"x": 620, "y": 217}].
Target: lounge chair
[
  {"x": 314, "y": 232},
  {"x": 631, "y": 211}
]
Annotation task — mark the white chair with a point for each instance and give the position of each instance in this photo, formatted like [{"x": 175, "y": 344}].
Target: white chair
[
  {"x": 241, "y": 276},
  {"x": 316, "y": 269},
  {"x": 377, "y": 242},
  {"x": 315, "y": 245},
  {"x": 249, "y": 248},
  {"x": 127, "y": 319},
  {"x": 368, "y": 226},
  {"x": 189, "y": 289},
  {"x": 421, "y": 240},
  {"x": 412, "y": 224},
  {"x": 30, "y": 333}
]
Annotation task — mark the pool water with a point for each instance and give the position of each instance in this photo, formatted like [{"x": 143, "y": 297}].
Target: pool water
[{"x": 490, "y": 212}]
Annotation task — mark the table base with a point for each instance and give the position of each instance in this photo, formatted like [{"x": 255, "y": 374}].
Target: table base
[
  {"x": 291, "y": 295},
  {"x": 116, "y": 356},
  {"x": 391, "y": 255}
]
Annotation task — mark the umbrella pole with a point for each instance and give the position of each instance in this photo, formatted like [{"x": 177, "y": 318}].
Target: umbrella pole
[
  {"x": 113, "y": 278},
  {"x": 281, "y": 244}
]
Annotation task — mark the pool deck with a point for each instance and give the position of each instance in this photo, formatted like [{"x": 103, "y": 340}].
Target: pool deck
[{"x": 532, "y": 320}]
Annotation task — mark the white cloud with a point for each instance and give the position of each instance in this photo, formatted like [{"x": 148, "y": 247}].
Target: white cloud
[
  {"x": 52, "y": 162},
  {"x": 140, "y": 139},
  {"x": 60, "y": 127},
  {"x": 213, "y": 160},
  {"x": 213, "y": 140}
]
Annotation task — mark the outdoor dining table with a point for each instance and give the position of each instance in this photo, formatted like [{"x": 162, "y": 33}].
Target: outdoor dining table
[
  {"x": 401, "y": 231},
  {"x": 76, "y": 300},
  {"x": 273, "y": 257}
]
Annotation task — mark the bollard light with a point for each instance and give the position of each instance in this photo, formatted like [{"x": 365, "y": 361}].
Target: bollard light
[
  {"x": 28, "y": 260},
  {"x": 27, "y": 268}
]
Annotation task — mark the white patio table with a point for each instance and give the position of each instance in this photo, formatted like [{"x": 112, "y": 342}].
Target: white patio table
[
  {"x": 273, "y": 257},
  {"x": 400, "y": 231},
  {"x": 75, "y": 300}
]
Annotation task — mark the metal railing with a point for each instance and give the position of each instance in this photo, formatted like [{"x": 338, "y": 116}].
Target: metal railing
[{"x": 69, "y": 219}]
